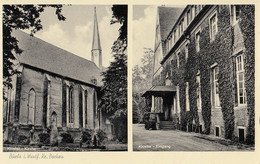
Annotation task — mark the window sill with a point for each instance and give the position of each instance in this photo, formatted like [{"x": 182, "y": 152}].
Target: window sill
[
  {"x": 241, "y": 106},
  {"x": 215, "y": 107},
  {"x": 235, "y": 22}
]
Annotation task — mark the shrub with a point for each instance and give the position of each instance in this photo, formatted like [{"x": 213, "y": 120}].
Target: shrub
[
  {"x": 101, "y": 135},
  {"x": 23, "y": 140},
  {"x": 86, "y": 136},
  {"x": 44, "y": 138},
  {"x": 66, "y": 138}
]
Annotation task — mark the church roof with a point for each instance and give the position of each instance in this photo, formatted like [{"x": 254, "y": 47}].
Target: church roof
[
  {"x": 167, "y": 18},
  {"x": 45, "y": 56}
]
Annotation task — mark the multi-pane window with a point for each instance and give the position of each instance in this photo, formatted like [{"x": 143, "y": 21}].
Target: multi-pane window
[
  {"x": 186, "y": 51},
  {"x": 178, "y": 60},
  {"x": 213, "y": 26},
  {"x": 240, "y": 80},
  {"x": 197, "y": 41},
  {"x": 187, "y": 97},
  {"x": 198, "y": 92},
  {"x": 215, "y": 86},
  {"x": 235, "y": 14}
]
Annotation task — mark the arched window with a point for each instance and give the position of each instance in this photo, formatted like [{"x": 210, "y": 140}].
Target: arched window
[
  {"x": 71, "y": 110},
  {"x": 94, "y": 105},
  {"x": 86, "y": 106},
  {"x": 31, "y": 107}
]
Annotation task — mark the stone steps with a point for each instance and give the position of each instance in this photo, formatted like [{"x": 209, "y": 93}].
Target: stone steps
[{"x": 167, "y": 125}]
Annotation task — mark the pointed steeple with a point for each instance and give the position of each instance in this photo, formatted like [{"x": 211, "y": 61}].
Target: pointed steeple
[{"x": 96, "y": 52}]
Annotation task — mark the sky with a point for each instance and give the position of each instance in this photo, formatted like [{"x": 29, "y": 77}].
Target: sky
[
  {"x": 144, "y": 19},
  {"x": 144, "y": 22},
  {"x": 76, "y": 32}
]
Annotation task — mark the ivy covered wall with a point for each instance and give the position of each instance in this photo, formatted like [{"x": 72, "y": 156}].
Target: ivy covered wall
[
  {"x": 247, "y": 25},
  {"x": 217, "y": 51}
]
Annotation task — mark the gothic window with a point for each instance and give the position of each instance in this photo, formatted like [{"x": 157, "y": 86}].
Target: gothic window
[
  {"x": 71, "y": 109},
  {"x": 86, "y": 106},
  {"x": 31, "y": 107},
  {"x": 64, "y": 104},
  {"x": 47, "y": 102},
  {"x": 94, "y": 105}
]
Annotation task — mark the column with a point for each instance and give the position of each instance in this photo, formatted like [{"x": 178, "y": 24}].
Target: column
[{"x": 152, "y": 109}]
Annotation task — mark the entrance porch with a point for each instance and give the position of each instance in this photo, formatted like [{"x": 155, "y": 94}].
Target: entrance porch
[{"x": 163, "y": 106}]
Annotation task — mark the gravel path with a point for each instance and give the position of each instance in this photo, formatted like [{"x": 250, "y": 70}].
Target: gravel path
[{"x": 174, "y": 140}]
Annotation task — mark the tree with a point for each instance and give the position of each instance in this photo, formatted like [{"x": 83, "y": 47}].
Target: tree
[
  {"x": 19, "y": 17},
  {"x": 114, "y": 99},
  {"x": 142, "y": 81},
  {"x": 120, "y": 16}
]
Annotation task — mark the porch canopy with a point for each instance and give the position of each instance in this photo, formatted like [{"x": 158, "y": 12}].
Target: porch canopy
[{"x": 160, "y": 91}]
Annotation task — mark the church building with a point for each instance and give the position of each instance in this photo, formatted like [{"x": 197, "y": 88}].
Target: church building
[{"x": 54, "y": 88}]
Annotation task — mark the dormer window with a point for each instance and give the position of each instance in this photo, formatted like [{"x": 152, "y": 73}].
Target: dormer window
[
  {"x": 175, "y": 36},
  {"x": 188, "y": 17},
  {"x": 181, "y": 27},
  {"x": 94, "y": 81}
]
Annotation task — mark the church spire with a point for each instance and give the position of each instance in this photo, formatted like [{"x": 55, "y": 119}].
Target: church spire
[{"x": 96, "y": 52}]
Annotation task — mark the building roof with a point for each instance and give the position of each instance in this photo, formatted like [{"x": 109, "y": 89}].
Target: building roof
[
  {"x": 160, "y": 91},
  {"x": 167, "y": 18},
  {"x": 45, "y": 56}
]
